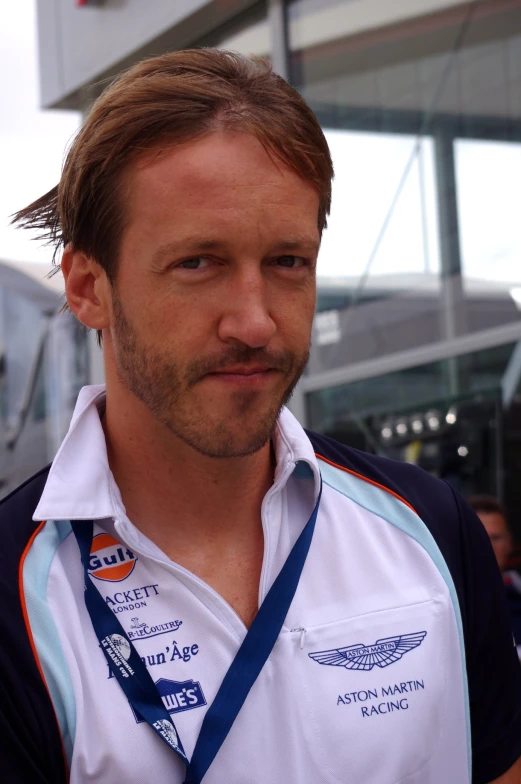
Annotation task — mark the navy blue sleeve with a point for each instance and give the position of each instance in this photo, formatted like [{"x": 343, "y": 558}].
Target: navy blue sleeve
[
  {"x": 30, "y": 747},
  {"x": 493, "y": 669}
]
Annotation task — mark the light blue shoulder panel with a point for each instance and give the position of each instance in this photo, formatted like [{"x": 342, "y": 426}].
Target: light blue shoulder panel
[
  {"x": 390, "y": 508},
  {"x": 45, "y": 634}
]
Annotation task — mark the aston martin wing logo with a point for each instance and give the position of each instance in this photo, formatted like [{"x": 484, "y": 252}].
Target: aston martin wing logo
[{"x": 364, "y": 657}]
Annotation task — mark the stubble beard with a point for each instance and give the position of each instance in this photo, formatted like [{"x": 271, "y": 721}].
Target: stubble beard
[{"x": 163, "y": 386}]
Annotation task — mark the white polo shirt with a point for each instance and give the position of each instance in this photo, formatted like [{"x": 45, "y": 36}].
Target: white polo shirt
[{"x": 367, "y": 682}]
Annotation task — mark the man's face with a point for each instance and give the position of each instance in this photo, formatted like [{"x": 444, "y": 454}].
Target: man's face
[
  {"x": 497, "y": 529},
  {"x": 215, "y": 291}
]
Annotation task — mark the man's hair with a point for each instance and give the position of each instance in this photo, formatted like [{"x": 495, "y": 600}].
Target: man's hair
[
  {"x": 163, "y": 101},
  {"x": 487, "y": 504}
]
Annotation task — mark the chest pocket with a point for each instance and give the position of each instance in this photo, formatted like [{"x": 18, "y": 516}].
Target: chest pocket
[{"x": 375, "y": 691}]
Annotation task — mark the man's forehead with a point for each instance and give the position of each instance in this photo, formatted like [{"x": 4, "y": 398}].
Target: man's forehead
[
  {"x": 219, "y": 172},
  {"x": 203, "y": 189},
  {"x": 212, "y": 159}
]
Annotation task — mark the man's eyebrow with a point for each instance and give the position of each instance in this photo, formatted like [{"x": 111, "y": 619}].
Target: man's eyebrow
[
  {"x": 298, "y": 243},
  {"x": 193, "y": 245},
  {"x": 186, "y": 245}
]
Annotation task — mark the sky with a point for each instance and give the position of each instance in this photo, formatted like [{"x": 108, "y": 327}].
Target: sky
[
  {"x": 32, "y": 141},
  {"x": 368, "y": 167}
]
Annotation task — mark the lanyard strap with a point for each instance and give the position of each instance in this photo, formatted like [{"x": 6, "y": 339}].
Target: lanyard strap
[
  {"x": 136, "y": 681},
  {"x": 121, "y": 655}
]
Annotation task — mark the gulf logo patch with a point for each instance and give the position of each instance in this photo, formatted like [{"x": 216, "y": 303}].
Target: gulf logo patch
[{"x": 109, "y": 559}]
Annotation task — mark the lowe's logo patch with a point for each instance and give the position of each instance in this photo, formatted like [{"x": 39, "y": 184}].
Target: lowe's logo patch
[
  {"x": 364, "y": 657},
  {"x": 178, "y": 696}
]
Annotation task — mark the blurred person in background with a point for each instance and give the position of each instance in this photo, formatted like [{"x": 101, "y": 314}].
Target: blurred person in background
[
  {"x": 493, "y": 515},
  {"x": 198, "y": 588}
]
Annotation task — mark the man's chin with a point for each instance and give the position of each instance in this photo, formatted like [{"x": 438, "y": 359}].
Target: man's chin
[
  {"x": 230, "y": 437},
  {"x": 227, "y": 449}
]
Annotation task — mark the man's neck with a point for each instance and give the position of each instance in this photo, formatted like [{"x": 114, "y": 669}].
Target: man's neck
[
  {"x": 204, "y": 513},
  {"x": 169, "y": 487}
]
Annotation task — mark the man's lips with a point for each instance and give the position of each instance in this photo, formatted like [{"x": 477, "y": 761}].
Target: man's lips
[
  {"x": 246, "y": 376},
  {"x": 241, "y": 370}
]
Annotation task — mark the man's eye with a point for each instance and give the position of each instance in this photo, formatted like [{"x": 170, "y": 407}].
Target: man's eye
[
  {"x": 290, "y": 261},
  {"x": 195, "y": 263}
]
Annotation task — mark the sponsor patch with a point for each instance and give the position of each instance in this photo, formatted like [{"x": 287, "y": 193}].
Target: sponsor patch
[
  {"x": 139, "y": 630},
  {"x": 178, "y": 696},
  {"x": 384, "y": 652},
  {"x": 132, "y": 599},
  {"x": 109, "y": 559}
]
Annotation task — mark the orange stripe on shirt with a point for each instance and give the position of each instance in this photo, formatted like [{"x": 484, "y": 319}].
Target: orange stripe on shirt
[{"x": 366, "y": 479}]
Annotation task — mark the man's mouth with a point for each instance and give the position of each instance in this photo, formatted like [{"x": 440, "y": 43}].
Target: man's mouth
[
  {"x": 242, "y": 370},
  {"x": 249, "y": 376}
]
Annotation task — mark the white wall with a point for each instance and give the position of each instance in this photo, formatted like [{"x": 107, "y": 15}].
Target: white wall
[{"x": 79, "y": 43}]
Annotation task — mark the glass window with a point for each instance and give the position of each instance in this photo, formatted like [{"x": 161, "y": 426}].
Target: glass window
[
  {"x": 368, "y": 168},
  {"x": 423, "y": 114},
  {"x": 379, "y": 262},
  {"x": 488, "y": 176},
  {"x": 445, "y": 416}
]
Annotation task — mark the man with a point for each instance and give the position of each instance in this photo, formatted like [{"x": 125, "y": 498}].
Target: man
[
  {"x": 494, "y": 518},
  {"x": 198, "y": 589}
]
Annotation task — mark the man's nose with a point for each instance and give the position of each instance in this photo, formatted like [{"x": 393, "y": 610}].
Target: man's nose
[{"x": 246, "y": 315}]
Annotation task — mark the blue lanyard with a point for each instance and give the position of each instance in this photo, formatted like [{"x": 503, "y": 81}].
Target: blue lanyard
[{"x": 136, "y": 681}]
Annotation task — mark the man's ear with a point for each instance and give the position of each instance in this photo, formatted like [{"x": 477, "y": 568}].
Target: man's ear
[{"x": 87, "y": 289}]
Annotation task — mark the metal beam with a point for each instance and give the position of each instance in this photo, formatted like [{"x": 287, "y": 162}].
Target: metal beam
[
  {"x": 453, "y": 311},
  {"x": 422, "y": 355},
  {"x": 388, "y": 120},
  {"x": 511, "y": 377},
  {"x": 278, "y": 23}
]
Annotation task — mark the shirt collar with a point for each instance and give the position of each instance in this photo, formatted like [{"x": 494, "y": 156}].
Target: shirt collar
[
  {"x": 293, "y": 447},
  {"x": 80, "y": 485}
]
